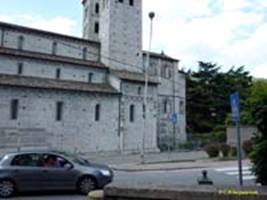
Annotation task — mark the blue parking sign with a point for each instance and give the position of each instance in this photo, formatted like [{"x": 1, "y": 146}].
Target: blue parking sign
[
  {"x": 235, "y": 105},
  {"x": 174, "y": 118}
]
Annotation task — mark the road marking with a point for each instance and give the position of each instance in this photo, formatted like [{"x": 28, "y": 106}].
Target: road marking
[
  {"x": 244, "y": 172},
  {"x": 231, "y": 169},
  {"x": 252, "y": 177},
  {"x": 234, "y": 171}
]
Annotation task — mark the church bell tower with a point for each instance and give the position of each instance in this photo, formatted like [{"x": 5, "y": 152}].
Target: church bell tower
[{"x": 117, "y": 25}]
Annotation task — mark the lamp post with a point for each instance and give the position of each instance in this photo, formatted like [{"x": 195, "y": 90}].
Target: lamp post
[{"x": 151, "y": 17}]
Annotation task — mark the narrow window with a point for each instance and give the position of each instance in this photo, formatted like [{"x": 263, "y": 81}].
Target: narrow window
[
  {"x": 59, "y": 110},
  {"x": 131, "y": 2},
  {"x": 139, "y": 90},
  {"x": 20, "y": 42},
  {"x": 182, "y": 107},
  {"x": 96, "y": 27},
  {"x": 84, "y": 53},
  {"x": 20, "y": 68},
  {"x": 14, "y": 109},
  {"x": 90, "y": 77},
  {"x": 97, "y": 112},
  {"x": 165, "y": 106},
  {"x": 121, "y": 1},
  {"x": 54, "y": 48},
  {"x": 58, "y": 73},
  {"x": 132, "y": 113},
  {"x": 97, "y": 8}
]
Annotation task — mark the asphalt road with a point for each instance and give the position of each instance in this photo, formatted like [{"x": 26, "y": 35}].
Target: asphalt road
[{"x": 220, "y": 176}]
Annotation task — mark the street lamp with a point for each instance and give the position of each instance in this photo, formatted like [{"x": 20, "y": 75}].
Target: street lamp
[{"x": 145, "y": 110}]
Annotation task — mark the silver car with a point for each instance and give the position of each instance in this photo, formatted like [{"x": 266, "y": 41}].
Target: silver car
[{"x": 37, "y": 171}]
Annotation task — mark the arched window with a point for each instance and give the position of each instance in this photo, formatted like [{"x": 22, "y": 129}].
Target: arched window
[
  {"x": 84, "y": 53},
  {"x": 54, "y": 48},
  {"x": 165, "y": 106},
  {"x": 96, "y": 27},
  {"x": 20, "y": 68},
  {"x": 139, "y": 90},
  {"x": 90, "y": 77},
  {"x": 132, "y": 113},
  {"x": 20, "y": 42},
  {"x": 58, "y": 73},
  {"x": 97, "y": 8},
  {"x": 97, "y": 112}
]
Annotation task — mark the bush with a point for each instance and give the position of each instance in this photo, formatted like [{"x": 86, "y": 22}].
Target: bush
[
  {"x": 212, "y": 150},
  {"x": 233, "y": 151},
  {"x": 225, "y": 149},
  {"x": 219, "y": 136},
  {"x": 247, "y": 146}
]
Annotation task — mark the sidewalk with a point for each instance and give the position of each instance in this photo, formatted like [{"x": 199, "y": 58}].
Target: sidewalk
[
  {"x": 150, "y": 158},
  {"x": 198, "y": 164}
]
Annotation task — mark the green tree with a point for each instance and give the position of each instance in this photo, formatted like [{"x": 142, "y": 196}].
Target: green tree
[
  {"x": 208, "y": 91},
  {"x": 258, "y": 101}
]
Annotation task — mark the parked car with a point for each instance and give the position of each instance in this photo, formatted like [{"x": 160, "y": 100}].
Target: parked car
[{"x": 38, "y": 171}]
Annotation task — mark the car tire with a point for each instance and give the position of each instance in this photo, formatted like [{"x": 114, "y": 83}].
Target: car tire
[
  {"x": 86, "y": 184},
  {"x": 7, "y": 188}
]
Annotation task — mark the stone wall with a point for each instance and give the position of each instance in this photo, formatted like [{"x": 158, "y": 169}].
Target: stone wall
[
  {"x": 38, "y": 68},
  {"x": 78, "y": 130},
  {"x": 121, "y": 35},
  {"x": 246, "y": 133},
  {"x": 171, "y": 99},
  {"x": 183, "y": 193},
  {"x": 132, "y": 132},
  {"x": 37, "y": 41}
]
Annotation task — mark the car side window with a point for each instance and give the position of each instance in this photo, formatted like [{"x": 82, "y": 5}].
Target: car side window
[
  {"x": 55, "y": 161},
  {"x": 27, "y": 160}
]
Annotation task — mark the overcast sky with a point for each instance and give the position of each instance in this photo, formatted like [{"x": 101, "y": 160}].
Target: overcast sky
[{"x": 226, "y": 32}]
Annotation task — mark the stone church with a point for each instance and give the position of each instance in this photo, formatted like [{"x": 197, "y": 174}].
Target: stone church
[{"x": 86, "y": 94}]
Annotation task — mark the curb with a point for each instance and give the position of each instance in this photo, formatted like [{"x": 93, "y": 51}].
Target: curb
[{"x": 159, "y": 169}]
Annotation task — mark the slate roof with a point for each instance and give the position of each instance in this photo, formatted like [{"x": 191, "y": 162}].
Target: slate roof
[
  {"x": 133, "y": 76},
  {"x": 160, "y": 55},
  {"x": 50, "y": 57},
  {"x": 54, "y": 84}
]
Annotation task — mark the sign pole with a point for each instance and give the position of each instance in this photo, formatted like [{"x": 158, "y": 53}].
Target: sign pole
[
  {"x": 239, "y": 150},
  {"x": 235, "y": 104}
]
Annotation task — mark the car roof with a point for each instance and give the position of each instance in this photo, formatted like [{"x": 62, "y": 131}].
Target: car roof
[{"x": 33, "y": 152}]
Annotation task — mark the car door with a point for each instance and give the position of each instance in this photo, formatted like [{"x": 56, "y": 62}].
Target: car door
[
  {"x": 27, "y": 172},
  {"x": 60, "y": 175}
]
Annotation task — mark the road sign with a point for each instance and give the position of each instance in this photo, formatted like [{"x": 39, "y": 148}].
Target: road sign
[
  {"x": 235, "y": 104},
  {"x": 174, "y": 118}
]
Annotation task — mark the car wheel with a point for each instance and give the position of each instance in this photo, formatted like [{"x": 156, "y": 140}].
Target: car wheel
[
  {"x": 7, "y": 188},
  {"x": 86, "y": 184}
]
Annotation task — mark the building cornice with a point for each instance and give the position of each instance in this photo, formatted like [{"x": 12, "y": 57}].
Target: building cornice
[{"x": 54, "y": 84}]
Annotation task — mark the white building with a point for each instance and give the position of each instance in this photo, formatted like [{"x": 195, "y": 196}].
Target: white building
[{"x": 86, "y": 95}]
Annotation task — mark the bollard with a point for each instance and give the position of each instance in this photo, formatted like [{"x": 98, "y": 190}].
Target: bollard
[
  {"x": 96, "y": 195},
  {"x": 204, "y": 180}
]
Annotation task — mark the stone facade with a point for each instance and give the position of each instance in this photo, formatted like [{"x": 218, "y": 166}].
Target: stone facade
[
  {"x": 87, "y": 95},
  {"x": 77, "y": 131},
  {"x": 120, "y": 32},
  {"x": 171, "y": 99}
]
